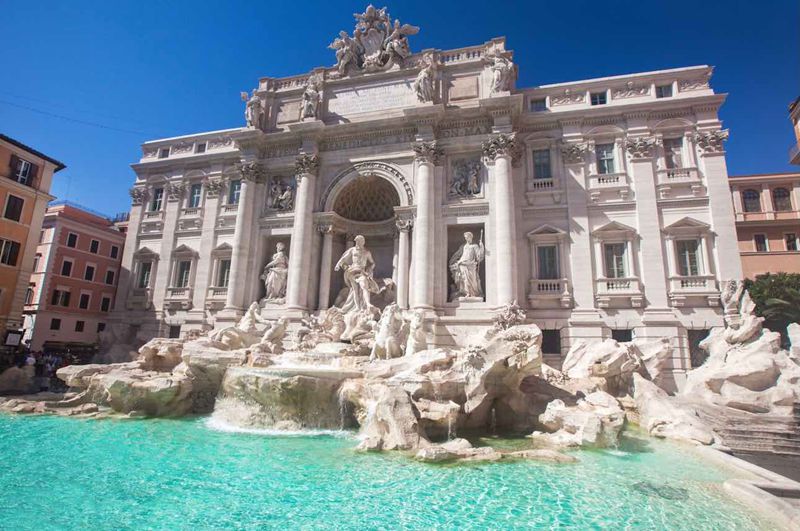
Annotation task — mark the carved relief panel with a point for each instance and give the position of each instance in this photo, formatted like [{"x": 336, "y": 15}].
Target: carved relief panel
[{"x": 466, "y": 179}]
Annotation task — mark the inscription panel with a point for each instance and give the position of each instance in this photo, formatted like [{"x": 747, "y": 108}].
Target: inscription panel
[
  {"x": 373, "y": 98},
  {"x": 289, "y": 111},
  {"x": 463, "y": 88}
]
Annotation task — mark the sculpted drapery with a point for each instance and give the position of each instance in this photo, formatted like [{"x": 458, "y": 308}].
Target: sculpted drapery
[{"x": 358, "y": 266}]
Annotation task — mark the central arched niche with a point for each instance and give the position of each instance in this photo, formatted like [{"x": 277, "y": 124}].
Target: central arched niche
[{"x": 367, "y": 198}]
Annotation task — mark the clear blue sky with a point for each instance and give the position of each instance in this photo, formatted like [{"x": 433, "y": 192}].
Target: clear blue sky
[{"x": 158, "y": 69}]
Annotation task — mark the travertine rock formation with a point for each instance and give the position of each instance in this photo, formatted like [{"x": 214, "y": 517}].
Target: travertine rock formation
[
  {"x": 594, "y": 421},
  {"x": 663, "y": 418}
]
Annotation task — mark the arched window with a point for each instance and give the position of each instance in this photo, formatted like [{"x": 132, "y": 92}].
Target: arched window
[
  {"x": 781, "y": 199},
  {"x": 751, "y": 200}
]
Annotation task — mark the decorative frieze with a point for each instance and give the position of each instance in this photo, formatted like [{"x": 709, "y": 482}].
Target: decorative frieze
[
  {"x": 181, "y": 147},
  {"x": 219, "y": 142},
  {"x": 640, "y": 147},
  {"x": 501, "y": 145},
  {"x": 461, "y": 128},
  {"x": 149, "y": 153},
  {"x": 567, "y": 98},
  {"x": 573, "y": 153},
  {"x": 373, "y": 138},
  {"x": 711, "y": 141},
  {"x": 275, "y": 151},
  {"x": 306, "y": 164},
  {"x": 427, "y": 152},
  {"x": 687, "y": 85},
  {"x": 138, "y": 195},
  {"x": 630, "y": 90},
  {"x": 175, "y": 191}
]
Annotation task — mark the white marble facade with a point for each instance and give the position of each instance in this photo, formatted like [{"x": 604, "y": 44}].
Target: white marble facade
[{"x": 602, "y": 205}]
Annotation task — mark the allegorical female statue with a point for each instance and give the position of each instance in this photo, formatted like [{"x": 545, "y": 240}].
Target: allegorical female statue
[
  {"x": 358, "y": 266},
  {"x": 274, "y": 275},
  {"x": 464, "y": 268}
]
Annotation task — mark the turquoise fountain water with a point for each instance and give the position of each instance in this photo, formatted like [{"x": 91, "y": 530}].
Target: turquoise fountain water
[{"x": 58, "y": 473}]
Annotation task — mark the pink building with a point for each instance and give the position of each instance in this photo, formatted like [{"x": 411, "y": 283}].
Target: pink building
[
  {"x": 74, "y": 280},
  {"x": 768, "y": 222}
]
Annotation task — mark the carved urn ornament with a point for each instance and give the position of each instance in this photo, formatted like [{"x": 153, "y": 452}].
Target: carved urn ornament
[{"x": 376, "y": 44}]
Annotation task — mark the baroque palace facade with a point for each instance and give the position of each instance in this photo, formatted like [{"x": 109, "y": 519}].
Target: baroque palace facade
[{"x": 601, "y": 206}]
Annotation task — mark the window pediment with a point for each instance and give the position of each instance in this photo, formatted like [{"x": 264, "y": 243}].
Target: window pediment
[
  {"x": 614, "y": 228},
  {"x": 547, "y": 233},
  {"x": 184, "y": 251},
  {"x": 687, "y": 226}
]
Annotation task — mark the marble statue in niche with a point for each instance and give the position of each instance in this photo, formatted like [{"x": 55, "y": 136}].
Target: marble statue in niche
[
  {"x": 275, "y": 274},
  {"x": 465, "y": 179},
  {"x": 464, "y": 267},
  {"x": 358, "y": 266},
  {"x": 281, "y": 194},
  {"x": 253, "y": 111},
  {"x": 312, "y": 95},
  {"x": 424, "y": 83}
]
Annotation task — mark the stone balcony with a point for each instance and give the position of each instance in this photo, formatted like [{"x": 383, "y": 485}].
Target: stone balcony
[
  {"x": 216, "y": 298},
  {"x": 178, "y": 298},
  {"x": 618, "y": 292},
  {"x": 140, "y": 299},
  {"x": 192, "y": 212},
  {"x": 679, "y": 181},
  {"x": 544, "y": 192},
  {"x": 683, "y": 288},
  {"x": 549, "y": 293},
  {"x": 152, "y": 222},
  {"x": 609, "y": 185}
]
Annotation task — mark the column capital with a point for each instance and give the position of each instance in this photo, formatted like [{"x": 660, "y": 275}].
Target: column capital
[
  {"x": 325, "y": 227},
  {"x": 711, "y": 142},
  {"x": 139, "y": 195},
  {"x": 306, "y": 164},
  {"x": 175, "y": 191},
  {"x": 573, "y": 152},
  {"x": 251, "y": 171},
  {"x": 214, "y": 186},
  {"x": 404, "y": 225},
  {"x": 641, "y": 147},
  {"x": 501, "y": 145},
  {"x": 427, "y": 152}
]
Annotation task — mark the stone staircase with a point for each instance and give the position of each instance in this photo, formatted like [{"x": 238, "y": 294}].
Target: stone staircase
[{"x": 756, "y": 434}]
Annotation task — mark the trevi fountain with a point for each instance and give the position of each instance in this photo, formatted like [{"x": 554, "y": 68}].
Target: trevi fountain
[{"x": 354, "y": 416}]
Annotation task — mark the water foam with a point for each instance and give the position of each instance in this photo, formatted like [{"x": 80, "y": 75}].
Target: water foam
[{"x": 218, "y": 424}]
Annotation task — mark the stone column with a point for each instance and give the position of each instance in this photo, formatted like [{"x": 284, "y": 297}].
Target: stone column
[
  {"x": 139, "y": 196},
  {"x": 404, "y": 227},
  {"x": 500, "y": 149},
  {"x": 642, "y": 150},
  {"x": 426, "y": 156},
  {"x": 326, "y": 265},
  {"x": 206, "y": 272},
  {"x": 250, "y": 173},
  {"x": 300, "y": 250}
]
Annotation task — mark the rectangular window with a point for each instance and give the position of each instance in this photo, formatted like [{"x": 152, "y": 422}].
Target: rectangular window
[
  {"x": 36, "y": 260},
  {"x": 29, "y": 294},
  {"x": 688, "y": 257},
  {"x": 24, "y": 172},
  {"x": 547, "y": 262},
  {"x": 762, "y": 246},
  {"x": 598, "y": 98},
  {"x": 175, "y": 332},
  {"x": 89, "y": 273},
  {"x": 9, "y": 252},
  {"x": 182, "y": 273},
  {"x": 100, "y": 327},
  {"x": 622, "y": 335},
  {"x": 94, "y": 246},
  {"x": 158, "y": 197},
  {"x": 673, "y": 148},
  {"x": 541, "y": 164},
  {"x": 144, "y": 274},
  {"x": 60, "y": 298},
  {"x": 791, "y": 241},
  {"x": 551, "y": 341},
  {"x": 224, "y": 273},
  {"x": 105, "y": 304},
  {"x": 110, "y": 277},
  {"x": 615, "y": 260},
  {"x": 605, "y": 158},
  {"x": 66, "y": 268},
  {"x": 79, "y": 326},
  {"x": 13, "y": 208},
  {"x": 539, "y": 105},
  {"x": 41, "y": 236},
  {"x": 664, "y": 91},
  {"x": 72, "y": 240},
  {"x": 55, "y": 324},
  {"x": 195, "y": 193},
  {"x": 200, "y": 147},
  {"x": 114, "y": 251},
  {"x": 163, "y": 153},
  {"x": 83, "y": 302},
  {"x": 234, "y": 191}
]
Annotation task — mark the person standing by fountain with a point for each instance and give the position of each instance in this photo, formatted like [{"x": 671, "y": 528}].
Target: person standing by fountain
[
  {"x": 358, "y": 266},
  {"x": 274, "y": 275}
]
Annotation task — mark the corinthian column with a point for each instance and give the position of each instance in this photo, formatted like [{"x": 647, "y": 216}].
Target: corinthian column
[
  {"x": 326, "y": 265},
  {"x": 300, "y": 250},
  {"x": 251, "y": 173},
  {"x": 404, "y": 227},
  {"x": 501, "y": 149},
  {"x": 426, "y": 156}
]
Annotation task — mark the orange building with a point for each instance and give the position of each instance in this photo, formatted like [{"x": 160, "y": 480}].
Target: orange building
[
  {"x": 73, "y": 286},
  {"x": 768, "y": 222},
  {"x": 25, "y": 179}
]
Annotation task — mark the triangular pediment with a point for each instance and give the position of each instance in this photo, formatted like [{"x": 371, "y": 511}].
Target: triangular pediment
[
  {"x": 688, "y": 223},
  {"x": 185, "y": 250},
  {"x": 223, "y": 247},
  {"x": 546, "y": 229},
  {"x": 614, "y": 226},
  {"x": 145, "y": 251}
]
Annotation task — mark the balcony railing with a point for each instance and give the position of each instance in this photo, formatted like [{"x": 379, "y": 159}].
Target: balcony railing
[
  {"x": 191, "y": 212},
  {"x": 608, "y": 180},
  {"x": 539, "y": 185},
  {"x": 553, "y": 292},
  {"x": 678, "y": 176},
  {"x": 217, "y": 292},
  {"x": 153, "y": 214},
  {"x": 549, "y": 287},
  {"x": 230, "y": 209},
  {"x": 695, "y": 283},
  {"x": 618, "y": 286},
  {"x": 179, "y": 292}
]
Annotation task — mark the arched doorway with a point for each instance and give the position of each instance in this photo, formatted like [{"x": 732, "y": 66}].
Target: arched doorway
[{"x": 364, "y": 204}]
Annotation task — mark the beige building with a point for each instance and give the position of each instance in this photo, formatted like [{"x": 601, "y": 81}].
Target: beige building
[{"x": 25, "y": 179}]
